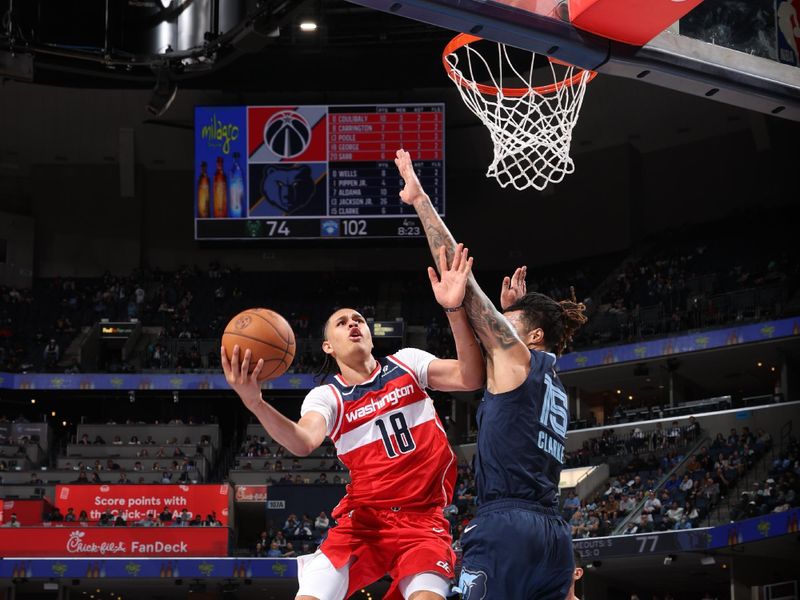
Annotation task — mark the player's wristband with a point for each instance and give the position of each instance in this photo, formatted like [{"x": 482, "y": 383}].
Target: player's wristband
[{"x": 454, "y": 309}]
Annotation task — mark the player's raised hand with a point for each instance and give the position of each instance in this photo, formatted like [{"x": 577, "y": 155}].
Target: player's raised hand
[
  {"x": 243, "y": 383},
  {"x": 412, "y": 190},
  {"x": 514, "y": 287},
  {"x": 449, "y": 287}
]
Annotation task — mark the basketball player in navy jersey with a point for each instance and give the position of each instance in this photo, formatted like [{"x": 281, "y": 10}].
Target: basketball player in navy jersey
[{"x": 518, "y": 547}]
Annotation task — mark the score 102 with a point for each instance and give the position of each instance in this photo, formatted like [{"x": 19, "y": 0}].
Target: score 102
[{"x": 335, "y": 228}]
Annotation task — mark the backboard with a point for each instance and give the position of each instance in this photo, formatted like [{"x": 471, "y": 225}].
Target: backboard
[{"x": 743, "y": 53}]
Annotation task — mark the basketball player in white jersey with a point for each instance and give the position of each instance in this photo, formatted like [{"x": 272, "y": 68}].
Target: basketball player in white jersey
[{"x": 386, "y": 431}]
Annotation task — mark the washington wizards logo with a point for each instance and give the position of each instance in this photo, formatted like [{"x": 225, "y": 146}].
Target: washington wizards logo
[
  {"x": 287, "y": 133},
  {"x": 472, "y": 585},
  {"x": 242, "y": 322}
]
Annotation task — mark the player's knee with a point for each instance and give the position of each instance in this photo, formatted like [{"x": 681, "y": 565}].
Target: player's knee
[
  {"x": 425, "y": 595},
  {"x": 424, "y": 586}
]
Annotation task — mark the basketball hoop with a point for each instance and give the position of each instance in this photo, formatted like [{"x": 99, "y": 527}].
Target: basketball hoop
[{"x": 530, "y": 125}]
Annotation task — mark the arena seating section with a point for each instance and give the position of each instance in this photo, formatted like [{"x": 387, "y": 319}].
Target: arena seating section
[
  {"x": 666, "y": 285},
  {"x": 695, "y": 469}
]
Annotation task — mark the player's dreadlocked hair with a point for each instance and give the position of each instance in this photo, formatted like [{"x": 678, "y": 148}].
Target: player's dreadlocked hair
[{"x": 558, "y": 320}]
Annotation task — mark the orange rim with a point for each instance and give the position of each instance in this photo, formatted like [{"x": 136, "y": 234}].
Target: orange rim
[{"x": 462, "y": 39}]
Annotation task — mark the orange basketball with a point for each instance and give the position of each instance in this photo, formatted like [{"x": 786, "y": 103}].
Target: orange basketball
[{"x": 267, "y": 335}]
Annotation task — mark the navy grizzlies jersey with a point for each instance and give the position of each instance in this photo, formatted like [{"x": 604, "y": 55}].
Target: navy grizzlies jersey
[{"x": 522, "y": 437}]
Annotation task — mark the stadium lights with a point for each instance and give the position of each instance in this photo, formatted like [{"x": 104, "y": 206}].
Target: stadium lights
[{"x": 308, "y": 26}]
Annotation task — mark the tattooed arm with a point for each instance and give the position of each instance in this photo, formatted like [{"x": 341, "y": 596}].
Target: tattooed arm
[{"x": 508, "y": 358}]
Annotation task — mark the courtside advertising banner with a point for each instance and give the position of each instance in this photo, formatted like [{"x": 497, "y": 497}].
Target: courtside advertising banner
[
  {"x": 110, "y": 542},
  {"x": 135, "y": 501},
  {"x": 251, "y": 493},
  {"x": 29, "y": 512}
]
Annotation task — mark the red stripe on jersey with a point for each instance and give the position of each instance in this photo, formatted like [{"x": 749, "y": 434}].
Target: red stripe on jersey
[
  {"x": 339, "y": 413},
  {"x": 405, "y": 367},
  {"x": 420, "y": 479}
]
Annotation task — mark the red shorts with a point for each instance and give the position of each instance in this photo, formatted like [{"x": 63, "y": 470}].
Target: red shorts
[{"x": 384, "y": 541}]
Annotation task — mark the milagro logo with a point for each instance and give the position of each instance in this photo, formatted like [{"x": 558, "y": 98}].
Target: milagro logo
[
  {"x": 219, "y": 134},
  {"x": 374, "y": 406}
]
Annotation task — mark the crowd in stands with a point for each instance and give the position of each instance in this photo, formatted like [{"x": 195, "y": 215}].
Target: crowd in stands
[
  {"x": 176, "y": 471},
  {"x": 679, "y": 284},
  {"x": 192, "y": 305},
  {"x": 684, "y": 283},
  {"x": 778, "y": 492},
  {"x": 286, "y": 468},
  {"x": 651, "y": 501},
  {"x": 638, "y": 441},
  {"x": 296, "y": 537},
  {"x": 108, "y": 518}
]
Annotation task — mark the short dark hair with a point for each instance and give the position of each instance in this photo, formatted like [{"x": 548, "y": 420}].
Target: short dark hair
[
  {"x": 558, "y": 320},
  {"x": 576, "y": 555}
]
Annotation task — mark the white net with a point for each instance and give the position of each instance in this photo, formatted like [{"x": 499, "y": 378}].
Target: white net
[{"x": 530, "y": 125}]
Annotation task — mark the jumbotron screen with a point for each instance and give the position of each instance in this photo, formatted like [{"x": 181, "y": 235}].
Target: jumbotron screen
[{"x": 313, "y": 172}]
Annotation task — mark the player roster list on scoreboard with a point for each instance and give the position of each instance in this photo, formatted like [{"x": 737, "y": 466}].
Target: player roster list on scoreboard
[{"x": 301, "y": 172}]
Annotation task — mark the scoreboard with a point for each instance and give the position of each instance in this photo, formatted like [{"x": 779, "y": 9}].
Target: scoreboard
[{"x": 313, "y": 172}]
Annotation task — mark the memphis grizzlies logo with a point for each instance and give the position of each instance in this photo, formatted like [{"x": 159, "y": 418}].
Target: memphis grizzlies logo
[
  {"x": 288, "y": 188},
  {"x": 472, "y": 585}
]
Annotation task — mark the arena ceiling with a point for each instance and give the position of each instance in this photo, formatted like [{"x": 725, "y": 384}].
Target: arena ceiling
[{"x": 264, "y": 57}]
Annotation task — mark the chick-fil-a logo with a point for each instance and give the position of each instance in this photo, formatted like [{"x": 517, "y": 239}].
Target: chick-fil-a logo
[{"x": 76, "y": 545}]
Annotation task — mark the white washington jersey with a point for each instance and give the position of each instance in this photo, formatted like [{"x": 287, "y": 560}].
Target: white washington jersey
[{"x": 388, "y": 435}]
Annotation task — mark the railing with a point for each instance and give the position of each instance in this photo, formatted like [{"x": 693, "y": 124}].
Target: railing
[
  {"x": 633, "y": 443},
  {"x": 637, "y": 510},
  {"x": 721, "y": 511}
]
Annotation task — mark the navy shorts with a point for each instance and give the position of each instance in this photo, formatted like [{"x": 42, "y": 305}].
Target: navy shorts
[{"x": 516, "y": 550}]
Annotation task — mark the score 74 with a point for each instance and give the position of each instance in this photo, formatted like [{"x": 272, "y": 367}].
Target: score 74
[
  {"x": 643, "y": 539},
  {"x": 277, "y": 228}
]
